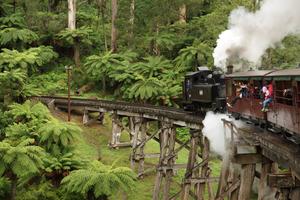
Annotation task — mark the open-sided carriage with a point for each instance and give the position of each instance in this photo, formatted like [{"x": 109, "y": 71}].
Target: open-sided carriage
[{"x": 284, "y": 110}]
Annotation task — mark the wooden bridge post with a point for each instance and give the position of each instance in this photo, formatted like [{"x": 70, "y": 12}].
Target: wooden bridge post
[
  {"x": 116, "y": 130},
  {"x": 264, "y": 190},
  {"x": 194, "y": 144},
  {"x": 135, "y": 132},
  {"x": 85, "y": 117},
  {"x": 247, "y": 177},
  {"x": 205, "y": 170},
  {"x": 225, "y": 167},
  {"x": 166, "y": 160},
  {"x": 169, "y": 162},
  {"x": 141, "y": 138}
]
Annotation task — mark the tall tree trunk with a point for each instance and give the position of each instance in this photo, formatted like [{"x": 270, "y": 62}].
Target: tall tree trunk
[
  {"x": 156, "y": 46},
  {"x": 72, "y": 14},
  {"x": 77, "y": 53},
  {"x": 101, "y": 12},
  {"x": 72, "y": 26},
  {"x": 102, "y": 197},
  {"x": 14, "y": 5},
  {"x": 52, "y": 5},
  {"x": 182, "y": 14},
  {"x": 104, "y": 84},
  {"x": 131, "y": 21},
  {"x": 90, "y": 195},
  {"x": 114, "y": 12},
  {"x": 13, "y": 189}
]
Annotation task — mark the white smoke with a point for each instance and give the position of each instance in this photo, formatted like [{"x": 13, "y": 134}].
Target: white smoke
[
  {"x": 250, "y": 34},
  {"x": 214, "y": 131}
]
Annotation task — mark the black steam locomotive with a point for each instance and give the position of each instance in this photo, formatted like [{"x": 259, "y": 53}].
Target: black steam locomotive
[{"x": 204, "y": 90}]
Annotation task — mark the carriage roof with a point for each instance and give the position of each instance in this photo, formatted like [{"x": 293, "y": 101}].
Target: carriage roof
[{"x": 286, "y": 74}]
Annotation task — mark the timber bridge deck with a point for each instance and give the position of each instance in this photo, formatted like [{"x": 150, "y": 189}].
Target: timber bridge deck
[{"x": 263, "y": 148}]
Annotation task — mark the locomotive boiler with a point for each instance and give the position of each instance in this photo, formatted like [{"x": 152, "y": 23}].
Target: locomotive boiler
[{"x": 204, "y": 90}]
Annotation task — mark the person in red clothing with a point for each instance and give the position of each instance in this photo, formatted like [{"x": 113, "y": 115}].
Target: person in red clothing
[
  {"x": 268, "y": 93},
  {"x": 270, "y": 88}
]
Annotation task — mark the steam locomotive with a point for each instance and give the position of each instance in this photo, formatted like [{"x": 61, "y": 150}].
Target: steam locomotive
[
  {"x": 204, "y": 90},
  {"x": 212, "y": 90}
]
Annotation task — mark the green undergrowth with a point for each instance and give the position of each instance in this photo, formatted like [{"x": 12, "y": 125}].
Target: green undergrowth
[{"x": 95, "y": 145}]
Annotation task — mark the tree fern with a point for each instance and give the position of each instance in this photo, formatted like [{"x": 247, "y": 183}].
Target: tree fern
[
  {"x": 194, "y": 56},
  {"x": 58, "y": 135},
  {"x": 152, "y": 66},
  {"x": 99, "y": 179},
  {"x": 144, "y": 89},
  {"x": 29, "y": 112},
  {"x": 29, "y": 59},
  {"x": 81, "y": 35},
  {"x": 66, "y": 161},
  {"x": 12, "y": 81},
  {"x": 15, "y": 20},
  {"x": 15, "y": 35},
  {"x": 19, "y": 132},
  {"x": 4, "y": 187},
  {"x": 19, "y": 160},
  {"x": 99, "y": 65}
]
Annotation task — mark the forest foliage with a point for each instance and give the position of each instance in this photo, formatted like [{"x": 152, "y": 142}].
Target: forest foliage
[{"x": 143, "y": 58}]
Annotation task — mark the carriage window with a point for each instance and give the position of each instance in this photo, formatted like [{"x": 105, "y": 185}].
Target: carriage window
[
  {"x": 229, "y": 87},
  {"x": 284, "y": 92}
]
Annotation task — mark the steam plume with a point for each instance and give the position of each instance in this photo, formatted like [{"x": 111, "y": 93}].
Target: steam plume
[
  {"x": 214, "y": 131},
  {"x": 251, "y": 34}
]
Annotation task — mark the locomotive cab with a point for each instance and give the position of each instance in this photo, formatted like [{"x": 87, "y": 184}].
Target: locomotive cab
[{"x": 204, "y": 90}]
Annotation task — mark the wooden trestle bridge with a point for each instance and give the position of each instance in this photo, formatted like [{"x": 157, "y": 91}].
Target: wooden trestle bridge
[{"x": 253, "y": 152}]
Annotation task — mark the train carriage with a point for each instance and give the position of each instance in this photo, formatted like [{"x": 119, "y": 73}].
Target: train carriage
[
  {"x": 250, "y": 105},
  {"x": 284, "y": 111},
  {"x": 286, "y": 107}
]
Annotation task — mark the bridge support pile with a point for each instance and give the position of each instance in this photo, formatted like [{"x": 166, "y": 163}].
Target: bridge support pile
[
  {"x": 244, "y": 162},
  {"x": 197, "y": 174}
]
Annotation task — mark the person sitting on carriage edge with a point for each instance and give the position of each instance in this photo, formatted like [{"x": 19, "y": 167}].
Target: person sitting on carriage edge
[
  {"x": 267, "y": 97},
  {"x": 241, "y": 91}
]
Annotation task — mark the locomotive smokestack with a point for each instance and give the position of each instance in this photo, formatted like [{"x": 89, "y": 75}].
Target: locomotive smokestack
[{"x": 229, "y": 69}]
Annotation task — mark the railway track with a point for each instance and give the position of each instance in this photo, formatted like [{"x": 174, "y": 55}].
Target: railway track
[{"x": 160, "y": 111}]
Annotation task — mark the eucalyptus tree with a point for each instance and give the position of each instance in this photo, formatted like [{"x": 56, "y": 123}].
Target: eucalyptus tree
[
  {"x": 114, "y": 12},
  {"x": 99, "y": 181}
]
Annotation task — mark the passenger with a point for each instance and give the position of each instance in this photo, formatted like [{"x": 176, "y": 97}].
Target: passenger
[
  {"x": 188, "y": 88},
  {"x": 288, "y": 93},
  {"x": 250, "y": 90},
  {"x": 270, "y": 88},
  {"x": 238, "y": 95},
  {"x": 267, "y": 98},
  {"x": 244, "y": 90}
]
